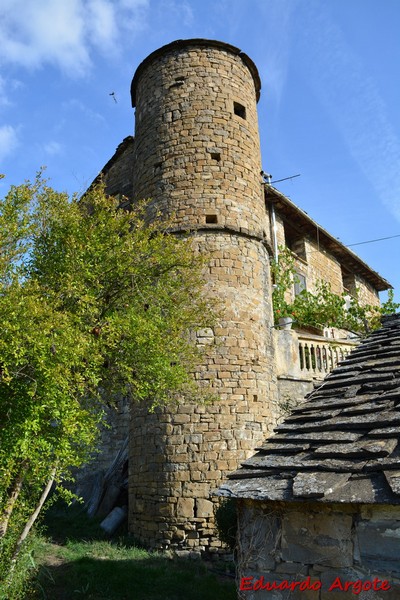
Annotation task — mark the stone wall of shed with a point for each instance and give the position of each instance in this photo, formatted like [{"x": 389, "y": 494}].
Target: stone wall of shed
[{"x": 291, "y": 542}]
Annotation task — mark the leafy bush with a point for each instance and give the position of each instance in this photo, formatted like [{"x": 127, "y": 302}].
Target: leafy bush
[{"x": 226, "y": 521}]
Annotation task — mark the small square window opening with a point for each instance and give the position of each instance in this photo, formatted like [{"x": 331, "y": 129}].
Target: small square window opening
[{"x": 239, "y": 110}]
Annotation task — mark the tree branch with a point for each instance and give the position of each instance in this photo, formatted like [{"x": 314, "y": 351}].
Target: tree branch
[
  {"x": 12, "y": 499},
  {"x": 30, "y": 522}
]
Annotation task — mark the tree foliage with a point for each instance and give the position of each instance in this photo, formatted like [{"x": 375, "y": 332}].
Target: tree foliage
[{"x": 94, "y": 302}]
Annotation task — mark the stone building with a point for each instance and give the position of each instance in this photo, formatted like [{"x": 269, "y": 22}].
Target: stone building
[
  {"x": 196, "y": 155},
  {"x": 320, "y": 501},
  {"x": 319, "y": 255}
]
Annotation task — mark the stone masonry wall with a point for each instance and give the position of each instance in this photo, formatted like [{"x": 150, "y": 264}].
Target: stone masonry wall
[
  {"x": 322, "y": 265},
  {"x": 118, "y": 171},
  {"x": 366, "y": 293},
  {"x": 279, "y": 230},
  {"x": 194, "y": 156},
  {"x": 197, "y": 156},
  {"x": 323, "y": 542},
  {"x": 318, "y": 264},
  {"x": 179, "y": 456}
]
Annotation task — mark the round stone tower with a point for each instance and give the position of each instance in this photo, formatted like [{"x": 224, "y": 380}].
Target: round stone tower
[{"x": 197, "y": 156}]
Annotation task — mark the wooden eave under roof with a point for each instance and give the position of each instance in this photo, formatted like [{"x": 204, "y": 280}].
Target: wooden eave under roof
[{"x": 300, "y": 221}]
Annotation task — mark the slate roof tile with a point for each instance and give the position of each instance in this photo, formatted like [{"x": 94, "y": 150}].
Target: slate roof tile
[{"x": 343, "y": 443}]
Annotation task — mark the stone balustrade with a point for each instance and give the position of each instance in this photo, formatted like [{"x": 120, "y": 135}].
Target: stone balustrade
[
  {"x": 303, "y": 359},
  {"x": 318, "y": 355}
]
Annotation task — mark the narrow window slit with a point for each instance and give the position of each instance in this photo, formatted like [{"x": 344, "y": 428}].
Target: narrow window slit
[
  {"x": 177, "y": 82},
  {"x": 211, "y": 219}
]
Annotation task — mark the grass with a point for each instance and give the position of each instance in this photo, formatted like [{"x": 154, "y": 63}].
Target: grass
[{"x": 76, "y": 561}]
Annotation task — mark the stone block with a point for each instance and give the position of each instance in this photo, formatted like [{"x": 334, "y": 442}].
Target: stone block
[
  {"x": 185, "y": 507},
  {"x": 379, "y": 545},
  {"x": 181, "y": 418},
  {"x": 296, "y": 569},
  {"x": 167, "y": 509},
  {"x": 204, "y": 508},
  {"x": 323, "y": 538}
]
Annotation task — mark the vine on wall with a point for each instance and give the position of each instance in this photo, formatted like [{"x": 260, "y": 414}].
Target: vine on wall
[{"x": 323, "y": 308}]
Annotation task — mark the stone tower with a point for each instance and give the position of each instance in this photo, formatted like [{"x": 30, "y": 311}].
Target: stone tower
[{"x": 197, "y": 156}]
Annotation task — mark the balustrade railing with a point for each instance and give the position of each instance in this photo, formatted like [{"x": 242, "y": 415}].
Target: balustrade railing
[{"x": 318, "y": 355}]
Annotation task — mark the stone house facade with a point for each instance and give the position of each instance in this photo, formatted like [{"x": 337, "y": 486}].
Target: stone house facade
[
  {"x": 319, "y": 255},
  {"x": 196, "y": 155},
  {"x": 319, "y": 503}
]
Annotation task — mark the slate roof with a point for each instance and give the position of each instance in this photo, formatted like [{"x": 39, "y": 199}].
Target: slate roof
[{"x": 343, "y": 443}]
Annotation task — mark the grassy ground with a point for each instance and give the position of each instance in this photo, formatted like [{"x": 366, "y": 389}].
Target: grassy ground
[{"x": 78, "y": 562}]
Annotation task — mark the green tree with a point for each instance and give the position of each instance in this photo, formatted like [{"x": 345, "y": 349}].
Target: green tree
[{"x": 94, "y": 302}]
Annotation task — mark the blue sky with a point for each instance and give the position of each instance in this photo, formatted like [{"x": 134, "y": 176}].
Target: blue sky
[{"x": 329, "y": 106}]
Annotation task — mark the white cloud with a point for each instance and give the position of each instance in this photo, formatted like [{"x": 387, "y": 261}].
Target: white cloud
[
  {"x": 180, "y": 10},
  {"x": 77, "y": 105},
  {"x": 274, "y": 48},
  {"x": 52, "y": 148},
  {"x": 102, "y": 26},
  {"x": 7, "y": 89},
  {"x": 8, "y": 140},
  {"x": 132, "y": 15},
  {"x": 4, "y": 100},
  {"x": 50, "y": 31},
  {"x": 64, "y": 33}
]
